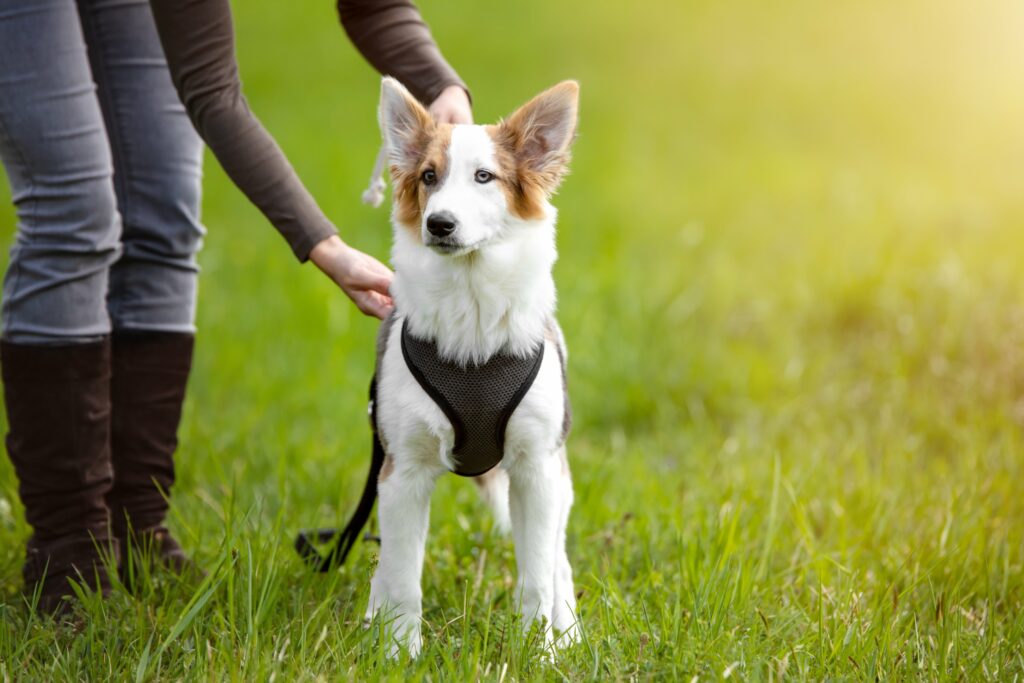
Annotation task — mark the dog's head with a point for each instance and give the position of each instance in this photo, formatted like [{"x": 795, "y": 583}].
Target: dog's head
[{"x": 458, "y": 188}]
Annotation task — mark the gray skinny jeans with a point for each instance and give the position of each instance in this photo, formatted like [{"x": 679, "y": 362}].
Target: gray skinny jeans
[{"x": 105, "y": 173}]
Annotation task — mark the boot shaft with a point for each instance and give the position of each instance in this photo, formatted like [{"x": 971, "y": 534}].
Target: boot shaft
[
  {"x": 150, "y": 374},
  {"x": 59, "y": 416}
]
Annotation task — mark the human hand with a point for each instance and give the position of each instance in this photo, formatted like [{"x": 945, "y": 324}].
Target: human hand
[
  {"x": 363, "y": 278},
  {"x": 452, "y": 106}
]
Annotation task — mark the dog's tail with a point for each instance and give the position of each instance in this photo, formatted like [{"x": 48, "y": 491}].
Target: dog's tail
[{"x": 493, "y": 486}]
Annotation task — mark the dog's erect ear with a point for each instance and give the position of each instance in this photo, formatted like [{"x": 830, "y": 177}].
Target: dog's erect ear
[
  {"x": 404, "y": 123},
  {"x": 541, "y": 131}
]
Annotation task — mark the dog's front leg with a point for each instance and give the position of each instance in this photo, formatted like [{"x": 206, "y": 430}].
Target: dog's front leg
[
  {"x": 563, "y": 613},
  {"x": 534, "y": 504},
  {"x": 395, "y": 592}
]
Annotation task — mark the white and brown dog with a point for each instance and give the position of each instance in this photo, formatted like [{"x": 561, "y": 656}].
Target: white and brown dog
[{"x": 474, "y": 246}]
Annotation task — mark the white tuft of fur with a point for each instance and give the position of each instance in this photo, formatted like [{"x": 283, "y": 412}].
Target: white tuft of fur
[
  {"x": 494, "y": 491},
  {"x": 373, "y": 195},
  {"x": 498, "y": 297}
]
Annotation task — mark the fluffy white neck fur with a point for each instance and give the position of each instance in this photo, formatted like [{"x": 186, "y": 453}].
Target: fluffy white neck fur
[{"x": 496, "y": 298}]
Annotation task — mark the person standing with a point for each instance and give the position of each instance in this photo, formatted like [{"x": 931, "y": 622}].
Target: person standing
[{"x": 104, "y": 109}]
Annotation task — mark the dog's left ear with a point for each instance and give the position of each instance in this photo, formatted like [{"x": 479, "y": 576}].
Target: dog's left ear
[{"x": 540, "y": 132}]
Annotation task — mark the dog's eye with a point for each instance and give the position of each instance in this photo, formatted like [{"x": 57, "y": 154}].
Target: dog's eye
[
  {"x": 483, "y": 176},
  {"x": 429, "y": 177}
]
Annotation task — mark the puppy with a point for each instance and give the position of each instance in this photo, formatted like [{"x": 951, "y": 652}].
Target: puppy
[{"x": 471, "y": 369}]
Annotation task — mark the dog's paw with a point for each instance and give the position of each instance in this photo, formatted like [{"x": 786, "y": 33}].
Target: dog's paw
[
  {"x": 567, "y": 636},
  {"x": 405, "y": 636},
  {"x": 563, "y": 616},
  {"x": 401, "y": 630}
]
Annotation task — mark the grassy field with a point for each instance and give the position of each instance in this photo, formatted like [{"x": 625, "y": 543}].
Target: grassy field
[{"x": 790, "y": 278}]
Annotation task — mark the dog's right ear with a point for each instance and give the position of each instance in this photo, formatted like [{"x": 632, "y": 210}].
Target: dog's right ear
[{"x": 404, "y": 123}]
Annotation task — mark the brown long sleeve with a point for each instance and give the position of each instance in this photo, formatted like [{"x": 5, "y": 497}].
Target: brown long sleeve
[
  {"x": 393, "y": 37},
  {"x": 199, "y": 43}
]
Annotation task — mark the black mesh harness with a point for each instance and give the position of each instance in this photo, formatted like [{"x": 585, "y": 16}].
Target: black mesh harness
[{"x": 478, "y": 400}]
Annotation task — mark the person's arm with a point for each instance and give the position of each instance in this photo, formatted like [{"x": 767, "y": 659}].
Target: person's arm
[
  {"x": 393, "y": 37},
  {"x": 199, "y": 44}
]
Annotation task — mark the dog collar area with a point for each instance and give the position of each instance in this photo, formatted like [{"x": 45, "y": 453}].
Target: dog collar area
[{"x": 478, "y": 400}]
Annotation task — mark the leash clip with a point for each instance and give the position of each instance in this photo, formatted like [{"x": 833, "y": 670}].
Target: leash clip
[{"x": 304, "y": 545}]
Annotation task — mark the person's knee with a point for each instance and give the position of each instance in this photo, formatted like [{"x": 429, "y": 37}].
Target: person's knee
[
  {"x": 153, "y": 285},
  {"x": 73, "y": 216},
  {"x": 56, "y": 282},
  {"x": 161, "y": 216}
]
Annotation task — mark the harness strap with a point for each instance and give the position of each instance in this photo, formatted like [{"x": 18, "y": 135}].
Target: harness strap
[{"x": 347, "y": 537}]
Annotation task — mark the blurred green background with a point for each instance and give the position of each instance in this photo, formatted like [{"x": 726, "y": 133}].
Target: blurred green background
[{"x": 790, "y": 280}]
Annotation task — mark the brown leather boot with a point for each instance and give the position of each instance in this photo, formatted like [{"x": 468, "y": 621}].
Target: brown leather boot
[
  {"x": 150, "y": 371},
  {"x": 58, "y": 416}
]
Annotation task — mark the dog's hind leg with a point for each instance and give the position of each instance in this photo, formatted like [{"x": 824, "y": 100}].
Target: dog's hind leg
[
  {"x": 534, "y": 503},
  {"x": 395, "y": 591},
  {"x": 563, "y": 612},
  {"x": 493, "y": 487}
]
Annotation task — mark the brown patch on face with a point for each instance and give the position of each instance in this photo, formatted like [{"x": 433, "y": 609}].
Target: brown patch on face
[
  {"x": 524, "y": 193},
  {"x": 411, "y": 193},
  {"x": 532, "y": 147}
]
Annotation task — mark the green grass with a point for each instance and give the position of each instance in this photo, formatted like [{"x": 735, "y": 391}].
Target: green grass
[{"x": 790, "y": 279}]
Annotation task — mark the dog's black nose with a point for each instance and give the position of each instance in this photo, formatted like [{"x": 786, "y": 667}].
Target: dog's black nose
[{"x": 441, "y": 224}]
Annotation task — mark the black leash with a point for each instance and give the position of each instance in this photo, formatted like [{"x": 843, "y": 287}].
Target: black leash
[{"x": 346, "y": 538}]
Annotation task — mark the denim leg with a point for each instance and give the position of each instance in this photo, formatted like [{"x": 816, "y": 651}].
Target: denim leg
[
  {"x": 55, "y": 150},
  {"x": 158, "y": 169}
]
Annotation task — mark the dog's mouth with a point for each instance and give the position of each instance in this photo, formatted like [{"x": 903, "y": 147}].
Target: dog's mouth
[{"x": 450, "y": 247}]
